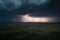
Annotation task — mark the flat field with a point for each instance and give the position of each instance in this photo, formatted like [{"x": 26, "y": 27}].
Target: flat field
[{"x": 30, "y": 31}]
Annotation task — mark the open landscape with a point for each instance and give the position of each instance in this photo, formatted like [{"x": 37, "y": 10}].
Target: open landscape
[
  {"x": 30, "y": 31},
  {"x": 29, "y": 19}
]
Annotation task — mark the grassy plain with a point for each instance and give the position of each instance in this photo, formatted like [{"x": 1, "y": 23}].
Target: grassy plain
[{"x": 30, "y": 31}]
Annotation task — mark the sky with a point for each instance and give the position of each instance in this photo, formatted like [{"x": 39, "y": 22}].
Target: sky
[
  {"x": 9, "y": 9},
  {"x": 13, "y": 4}
]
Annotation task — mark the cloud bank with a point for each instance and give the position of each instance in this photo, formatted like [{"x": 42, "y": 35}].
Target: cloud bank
[{"x": 14, "y": 4}]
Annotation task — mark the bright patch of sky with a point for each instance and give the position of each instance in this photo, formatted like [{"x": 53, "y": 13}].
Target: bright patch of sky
[{"x": 37, "y": 2}]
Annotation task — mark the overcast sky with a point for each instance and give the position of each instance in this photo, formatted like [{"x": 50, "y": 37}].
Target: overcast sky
[
  {"x": 52, "y": 8},
  {"x": 13, "y": 4}
]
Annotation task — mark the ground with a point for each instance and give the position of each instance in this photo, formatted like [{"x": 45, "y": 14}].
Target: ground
[{"x": 30, "y": 31}]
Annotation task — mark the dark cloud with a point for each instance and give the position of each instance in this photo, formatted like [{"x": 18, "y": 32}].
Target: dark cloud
[
  {"x": 9, "y": 9},
  {"x": 9, "y": 4}
]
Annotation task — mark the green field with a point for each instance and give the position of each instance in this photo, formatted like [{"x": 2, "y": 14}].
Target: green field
[{"x": 29, "y": 31}]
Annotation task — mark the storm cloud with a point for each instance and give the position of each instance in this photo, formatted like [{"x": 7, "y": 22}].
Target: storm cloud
[{"x": 14, "y": 4}]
